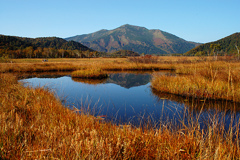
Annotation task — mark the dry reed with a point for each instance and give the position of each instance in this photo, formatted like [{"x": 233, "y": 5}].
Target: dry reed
[
  {"x": 92, "y": 73},
  {"x": 214, "y": 80},
  {"x": 116, "y": 64},
  {"x": 35, "y": 125}
]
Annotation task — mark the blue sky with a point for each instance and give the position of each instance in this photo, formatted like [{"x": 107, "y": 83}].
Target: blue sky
[{"x": 193, "y": 20}]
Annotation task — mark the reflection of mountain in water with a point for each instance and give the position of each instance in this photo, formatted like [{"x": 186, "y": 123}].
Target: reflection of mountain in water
[{"x": 128, "y": 80}]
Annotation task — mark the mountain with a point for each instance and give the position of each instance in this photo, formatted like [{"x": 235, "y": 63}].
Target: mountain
[
  {"x": 14, "y": 43},
  {"x": 134, "y": 38},
  {"x": 227, "y": 46}
]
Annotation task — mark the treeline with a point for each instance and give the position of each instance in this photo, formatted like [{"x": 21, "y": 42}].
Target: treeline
[
  {"x": 124, "y": 53},
  {"x": 50, "y": 47},
  {"x": 30, "y": 52},
  {"x": 226, "y": 46}
]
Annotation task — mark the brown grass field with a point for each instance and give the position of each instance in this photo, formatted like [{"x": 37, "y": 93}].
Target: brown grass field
[
  {"x": 110, "y": 64},
  {"x": 35, "y": 125}
]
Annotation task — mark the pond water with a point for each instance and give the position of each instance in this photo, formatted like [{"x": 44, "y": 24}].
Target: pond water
[{"x": 128, "y": 98}]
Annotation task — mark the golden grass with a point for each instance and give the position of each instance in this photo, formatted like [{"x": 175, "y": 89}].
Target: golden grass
[
  {"x": 214, "y": 80},
  {"x": 109, "y": 64},
  {"x": 37, "y": 67},
  {"x": 92, "y": 73},
  {"x": 35, "y": 125}
]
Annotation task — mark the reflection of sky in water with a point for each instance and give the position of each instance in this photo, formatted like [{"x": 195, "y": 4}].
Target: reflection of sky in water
[{"x": 118, "y": 103}]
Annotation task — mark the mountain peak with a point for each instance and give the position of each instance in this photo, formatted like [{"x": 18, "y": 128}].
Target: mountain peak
[
  {"x": 129, "y": 26},
  {"x": 134, "y": 38},
  {"x": 125, "y": 25}
]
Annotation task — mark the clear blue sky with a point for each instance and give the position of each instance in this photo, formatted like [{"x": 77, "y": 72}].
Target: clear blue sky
[{"x": 193, "y": 20}]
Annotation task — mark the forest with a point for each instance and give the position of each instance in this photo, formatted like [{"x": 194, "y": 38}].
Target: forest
[
  {"x": 50, "y": 47},
  {"x": 226, "y": 46}
]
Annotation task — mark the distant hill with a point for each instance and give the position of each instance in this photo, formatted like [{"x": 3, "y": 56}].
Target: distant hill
[
  {"x": 134, "y": 38},
  {"x": 48, "y": 47},
  {"x": 14, "y": 43},
  {"x": 227, "y": 46}
]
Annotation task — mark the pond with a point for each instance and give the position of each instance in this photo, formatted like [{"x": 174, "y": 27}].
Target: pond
[{"x": 127, "y": 97}]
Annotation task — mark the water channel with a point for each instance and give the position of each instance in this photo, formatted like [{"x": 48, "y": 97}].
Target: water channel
[{"x": 127, "y": 97}]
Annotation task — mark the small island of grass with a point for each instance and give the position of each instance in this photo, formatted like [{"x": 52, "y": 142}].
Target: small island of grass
[{"x": 90, "y": 74}]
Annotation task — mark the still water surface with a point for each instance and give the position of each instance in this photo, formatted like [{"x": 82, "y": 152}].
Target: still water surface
[{"x": 128, "y": 98}]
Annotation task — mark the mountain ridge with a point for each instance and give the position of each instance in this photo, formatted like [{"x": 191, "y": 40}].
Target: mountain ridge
[
  {"x": 134, "y": 38},
  {"x": 43, "y": 47},
  {"x": 227, "y": 46},
  {"x": 14, "y": 42}
]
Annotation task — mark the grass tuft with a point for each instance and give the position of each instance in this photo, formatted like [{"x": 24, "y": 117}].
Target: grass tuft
[
  {"x": 211, "y": 80},
  {"x": 90, "y": 74}
]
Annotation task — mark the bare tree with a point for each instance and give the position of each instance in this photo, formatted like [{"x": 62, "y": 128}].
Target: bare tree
[
  {"x": 215, "y": 47},
  {"x": 237, "y": 50}
]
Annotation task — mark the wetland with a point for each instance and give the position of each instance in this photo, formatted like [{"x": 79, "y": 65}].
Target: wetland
[
  {"x": 172, "y": 108},
  {"x": 128, "y": 98}
]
